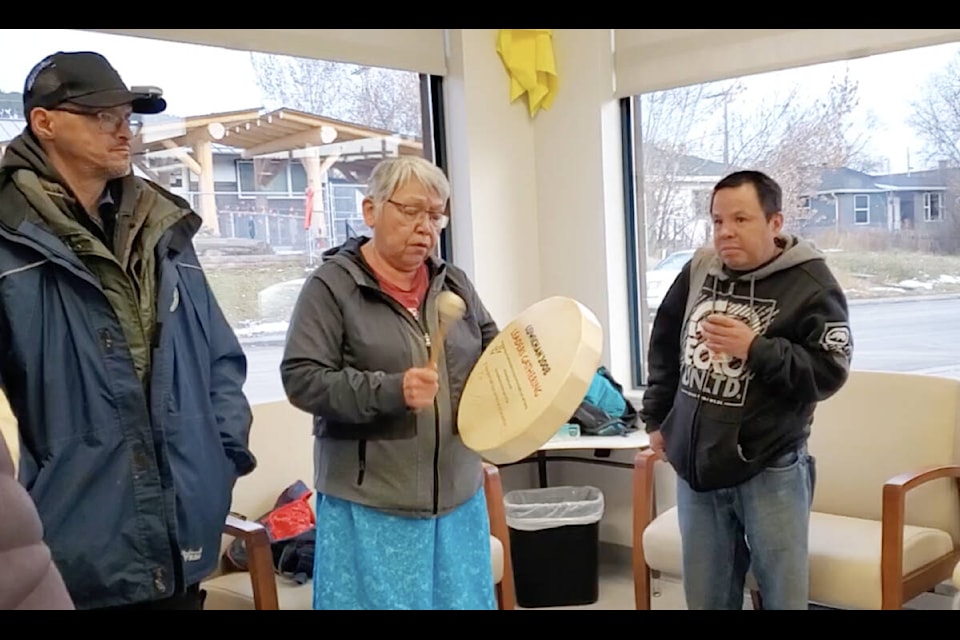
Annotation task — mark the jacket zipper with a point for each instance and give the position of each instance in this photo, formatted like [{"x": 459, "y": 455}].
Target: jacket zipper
[
  {"x": 427, "y": 341},
  {"x": 436, "y": 442},
  {"x": 695, "y": 427}
]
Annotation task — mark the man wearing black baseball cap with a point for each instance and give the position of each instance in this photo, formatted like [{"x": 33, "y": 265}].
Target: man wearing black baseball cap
[
  {"x": 86, "y": 79},
  {"x": 123, "y": 374}
]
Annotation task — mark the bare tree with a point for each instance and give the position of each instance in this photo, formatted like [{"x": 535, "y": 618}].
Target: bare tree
[
  {"x": 795, "y": 140},
  {"x": 793, "y": 137},
  {"x": 670, "y": 130},
  {"x": 936, "y": 120},
  {"x": 369, "y": 96},
  {"x": 936, "y": 115},
  {"x": 390, "y": 98}
]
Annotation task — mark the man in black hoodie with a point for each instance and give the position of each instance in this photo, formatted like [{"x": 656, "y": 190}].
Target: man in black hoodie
[{"x": 751, "y": 335}]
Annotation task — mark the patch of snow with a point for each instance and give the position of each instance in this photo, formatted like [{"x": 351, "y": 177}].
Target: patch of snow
[
  {"x": 261, "y": 328},
  {"x": 915, "y": 284}
]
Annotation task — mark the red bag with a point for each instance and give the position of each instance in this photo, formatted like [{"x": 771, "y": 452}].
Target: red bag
[
  {"x": 290, "y": 520},
  {"x": 289, "y": 524}
]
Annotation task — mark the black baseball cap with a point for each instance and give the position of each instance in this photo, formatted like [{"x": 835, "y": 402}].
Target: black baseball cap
[{"x": 87, "y": 79}]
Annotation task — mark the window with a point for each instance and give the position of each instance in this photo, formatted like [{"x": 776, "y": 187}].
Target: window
[
  {"x": 281, "y": 178},
  {"x": 861, "y": 209},
  {"x": 272, "y": 151},
  {"x": 932, "y": 206},
  {"x": 852, "y": 159}
]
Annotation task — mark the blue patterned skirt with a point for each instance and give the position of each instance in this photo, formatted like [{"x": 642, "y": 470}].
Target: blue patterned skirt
[{"x": 367, "y": 559}]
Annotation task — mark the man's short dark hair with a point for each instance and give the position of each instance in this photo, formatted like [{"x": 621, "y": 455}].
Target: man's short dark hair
[{"x": 768, "y": 191}]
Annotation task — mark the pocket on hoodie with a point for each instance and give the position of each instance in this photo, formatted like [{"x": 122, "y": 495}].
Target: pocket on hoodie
[
  {"x": 676, "y": 430},
  {"x": 719, "y": 459}
]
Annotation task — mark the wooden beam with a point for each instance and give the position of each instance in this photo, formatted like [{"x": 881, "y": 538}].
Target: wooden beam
[
  {"x": 208, "y": 201},
  {"x": 184, "y": 157},
  {"x": 311, "y": 140},
  {"x": 308, "y": 138},
  {"x": 147, "y": 170},
  {"x": 316, "y": 121},
  {"x": 227, "y": 118}
]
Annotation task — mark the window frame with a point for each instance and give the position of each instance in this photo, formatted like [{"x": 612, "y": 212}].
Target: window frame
[{"x": 856, "y": 208}]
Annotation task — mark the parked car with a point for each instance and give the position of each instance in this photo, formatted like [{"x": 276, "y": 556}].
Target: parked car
[{"x": 662, "y": 275}]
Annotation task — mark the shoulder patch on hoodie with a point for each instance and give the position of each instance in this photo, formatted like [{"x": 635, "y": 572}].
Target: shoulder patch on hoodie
[{"x": 836, "y": 337}]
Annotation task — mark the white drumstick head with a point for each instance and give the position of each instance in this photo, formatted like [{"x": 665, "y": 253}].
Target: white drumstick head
[{"x": 450, "y": 306}]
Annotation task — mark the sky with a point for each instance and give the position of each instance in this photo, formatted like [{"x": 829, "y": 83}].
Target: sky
[
  {"x": 198, "y": 79},
  {"x": 195, "y": 79},
  {"x": 887, "y": 84}
]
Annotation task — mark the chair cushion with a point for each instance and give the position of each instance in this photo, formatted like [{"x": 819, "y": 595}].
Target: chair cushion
[
  {"x": 661, "y": 546},
  {"x": 496, "y": 559},
  {"x": 234, "y": 591},
  {"x": 844, "y": 556},
  {"x": 956, "y": 576},
  {"x": 231, "y": 591}
]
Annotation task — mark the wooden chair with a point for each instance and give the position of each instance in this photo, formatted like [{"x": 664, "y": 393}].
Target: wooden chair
[
  {"x": 263, "y": 580},
  {"x": 884, "y": 438}
]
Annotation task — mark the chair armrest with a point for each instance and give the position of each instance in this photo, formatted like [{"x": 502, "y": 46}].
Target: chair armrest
[
  {"x": 493, "y": 489},
  {"x": 895, "y": 587},
  {"x": 643, "y": 480},
  {"x": 259, "y": 560}
]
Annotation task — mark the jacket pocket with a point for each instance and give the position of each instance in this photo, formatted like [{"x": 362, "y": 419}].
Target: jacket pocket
[
  {"x": 719, "y": 460},
  {"x": 203, "y": 480},
  {"x": 361, "y": 461},
  {"x": 677, "y": 431}
]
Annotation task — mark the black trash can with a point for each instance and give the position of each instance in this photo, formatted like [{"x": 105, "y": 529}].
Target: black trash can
[{"x": 554, "y": 545}]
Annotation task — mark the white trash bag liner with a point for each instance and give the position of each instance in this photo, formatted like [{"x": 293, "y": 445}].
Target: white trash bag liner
[{"x": 552, "y": 507}]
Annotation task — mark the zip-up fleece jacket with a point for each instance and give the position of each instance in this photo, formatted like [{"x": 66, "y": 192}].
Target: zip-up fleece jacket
[
  {"x": 724, "y": 422},
  {"x": 348, "y": 347}
]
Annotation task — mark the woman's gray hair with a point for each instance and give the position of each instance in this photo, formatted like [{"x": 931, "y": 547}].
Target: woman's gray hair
[{"x": 392, "y": 173}]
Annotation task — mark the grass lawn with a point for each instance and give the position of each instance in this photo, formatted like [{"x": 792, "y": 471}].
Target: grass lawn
[
  {"x": 236, "y": 286},
  {"x": 863, "y": 274},
  {"x": 873, "y": 274}
]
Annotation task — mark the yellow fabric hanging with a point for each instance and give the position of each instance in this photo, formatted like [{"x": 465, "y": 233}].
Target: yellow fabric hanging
[{"x": 527, "y": 55}]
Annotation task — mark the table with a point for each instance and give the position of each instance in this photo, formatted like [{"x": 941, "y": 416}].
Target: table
[{"x": 601, "y": 445}]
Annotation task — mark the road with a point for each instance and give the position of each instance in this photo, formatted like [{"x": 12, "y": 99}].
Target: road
[{"x": 921, "y": 336}]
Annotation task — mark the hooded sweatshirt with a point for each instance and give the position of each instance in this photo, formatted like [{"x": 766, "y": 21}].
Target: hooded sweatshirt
[{"x": 724, "y": 420}]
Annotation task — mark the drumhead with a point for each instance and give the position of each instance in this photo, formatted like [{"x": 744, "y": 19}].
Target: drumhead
[{"x": 529, "y": 381}]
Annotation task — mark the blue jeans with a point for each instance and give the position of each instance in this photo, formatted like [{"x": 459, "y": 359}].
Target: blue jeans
[{"x": 762, "y": 524}]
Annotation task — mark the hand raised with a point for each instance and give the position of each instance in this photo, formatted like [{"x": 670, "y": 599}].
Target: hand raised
[{"x": 725, "y": 335}]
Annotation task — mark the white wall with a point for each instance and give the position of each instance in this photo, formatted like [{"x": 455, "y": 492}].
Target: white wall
[
  {"x": 492, "y": 164},
  {"x": 538, "y": 208}
]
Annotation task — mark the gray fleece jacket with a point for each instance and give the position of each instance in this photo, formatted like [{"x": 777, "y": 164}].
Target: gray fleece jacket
[{"x": 348, "y": 346}]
